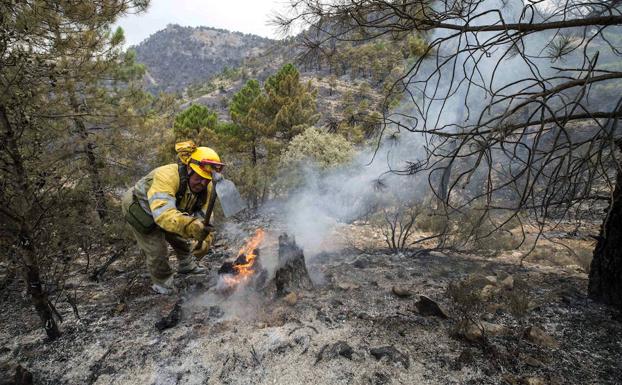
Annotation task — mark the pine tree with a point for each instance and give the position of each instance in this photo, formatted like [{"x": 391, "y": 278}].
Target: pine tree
[
  {"x": 245, "y": 114},
  {"x": 195, "y": 123},
  {"x": 265, "y": 121},
  {"x": 56, "y": 58},
  {"x": 246, "y": 138},
  {"x": 289, "y": 104}
]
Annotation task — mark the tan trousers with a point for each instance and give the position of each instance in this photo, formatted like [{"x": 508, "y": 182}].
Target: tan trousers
[{"x": 154, "y": 246}]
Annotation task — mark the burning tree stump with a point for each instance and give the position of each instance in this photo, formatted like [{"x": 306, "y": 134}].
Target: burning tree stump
[
  {"x": 242, "y": 265},
  {"x": 292, "y": 275},
  {"x": 245, "y": 270}
]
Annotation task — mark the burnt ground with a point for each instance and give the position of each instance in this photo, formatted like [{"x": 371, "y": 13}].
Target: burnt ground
[{"x": 351, "y": 329}]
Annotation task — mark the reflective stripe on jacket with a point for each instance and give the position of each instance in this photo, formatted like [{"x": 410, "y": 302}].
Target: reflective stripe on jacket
[{"x": 156, "y": 192}]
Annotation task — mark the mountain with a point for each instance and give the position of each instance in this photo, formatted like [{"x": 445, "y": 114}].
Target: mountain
[{"x": 179, "y": 56}]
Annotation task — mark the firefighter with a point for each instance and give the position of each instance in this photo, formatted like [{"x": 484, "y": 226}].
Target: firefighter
[{"x": 168, "y": 207}]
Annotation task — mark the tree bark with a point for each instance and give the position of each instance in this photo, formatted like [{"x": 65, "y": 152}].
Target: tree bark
[
  {"x": 254, "y": 190},
  {"x": 24, "y": 233},
  {"x": 96, "y": 181},
  {"x": 605, "y": 283},
  {"x": 39, "y": 297}
]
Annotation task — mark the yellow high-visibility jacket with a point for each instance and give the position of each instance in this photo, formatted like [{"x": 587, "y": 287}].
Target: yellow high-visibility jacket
[{"x": 156, "y": 193}]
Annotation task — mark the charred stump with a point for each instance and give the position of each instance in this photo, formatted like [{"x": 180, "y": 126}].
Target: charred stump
[{"x": 292, "y": 274}]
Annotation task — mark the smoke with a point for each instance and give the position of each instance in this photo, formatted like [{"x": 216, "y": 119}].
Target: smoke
[
  {"x": 328, "y": 199},
  {"x": 452, "y": 89}
]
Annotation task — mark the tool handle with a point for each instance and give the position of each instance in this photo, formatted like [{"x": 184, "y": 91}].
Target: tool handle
[{"x": 208, "y": 215}]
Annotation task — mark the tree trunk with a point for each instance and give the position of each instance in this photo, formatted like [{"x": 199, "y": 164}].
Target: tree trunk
[
  {"x": 24, "y": 233},
  {"x": 39, "y": 296},
  {"x": 254, "y": 189},
  {"x": 605, "y": 283},
  {"x": 96, "y": 183}
]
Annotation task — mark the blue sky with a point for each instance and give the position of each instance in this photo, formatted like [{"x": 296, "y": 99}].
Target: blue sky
[{"x": 248, "y": 16}]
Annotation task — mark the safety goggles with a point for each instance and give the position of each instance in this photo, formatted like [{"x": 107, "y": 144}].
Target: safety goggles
[{"x": 209, "y": 165}]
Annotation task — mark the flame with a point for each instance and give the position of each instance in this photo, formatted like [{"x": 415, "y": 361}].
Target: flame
[
  {"x": 248, "y": 250},
  {"x": 244, "y": 265}
]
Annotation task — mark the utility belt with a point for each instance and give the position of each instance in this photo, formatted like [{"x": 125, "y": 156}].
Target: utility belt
[{"x": 138, "y": 218}]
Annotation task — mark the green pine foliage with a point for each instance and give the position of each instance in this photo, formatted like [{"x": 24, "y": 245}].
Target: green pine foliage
[
  {"x": 288, "y": 103},
  {"x": 196, "y": 123},
  {"x": 68, "y": 92},
  {"x": 265, "y": 120}
]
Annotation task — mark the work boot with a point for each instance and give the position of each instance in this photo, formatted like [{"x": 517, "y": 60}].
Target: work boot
[
  {"x": 191, "y": 268},
  {"x": 165, "y": 288}
]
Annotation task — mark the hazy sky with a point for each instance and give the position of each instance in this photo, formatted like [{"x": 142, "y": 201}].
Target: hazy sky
[{"x": 248, "y": 16}]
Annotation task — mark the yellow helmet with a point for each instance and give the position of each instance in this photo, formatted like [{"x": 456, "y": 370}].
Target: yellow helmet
[{"x": 204, "y": 161}]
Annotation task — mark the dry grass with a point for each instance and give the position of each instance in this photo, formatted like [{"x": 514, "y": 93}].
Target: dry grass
[{"x": 563, "y": 252}]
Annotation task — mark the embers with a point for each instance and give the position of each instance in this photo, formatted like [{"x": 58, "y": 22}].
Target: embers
[
  {"x": 245, "y": 269},
  {"x": 242, "y": 264}
]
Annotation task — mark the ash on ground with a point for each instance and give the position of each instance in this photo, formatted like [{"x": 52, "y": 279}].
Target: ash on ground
[{"x": 364, "y": 323}]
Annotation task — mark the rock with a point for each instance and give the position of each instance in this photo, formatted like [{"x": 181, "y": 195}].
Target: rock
[
  {"x": 401, "y": 291},
  {"x": 477, "y": 282},
  {"x": 495, "y": 329},
  {"x": 97, "y": 296},
  {"x": 331, "y": 351},
  {"x": 488, "y": 317},
  {"x": 488, "y": 292},
  {"x": 532, "y": 381},
  {"x": 347, "y": 286},
  {"x": 171, "y": 318},
  {"x": 510, "y": 379},
  {"x": 474, "y": 332},
  {"x": 361, "y": 263},
  {"x": 537, "y": 336},
  {"x": 531, "y": 361},
  {"x": 427, "y": 307},
  {"x": 471, "y": 332},
  {"x": 508, "y": 283},
  {"x": 392, "y": 354},
  {"x": 291, "y": 299},
  {"x": 280, "y": 347},
  {"x": 341, "y": 348},
  {"x": 491, "y": 279},
  {"x": 120, "y": 308},
  {"x": 437, "y": 254}
]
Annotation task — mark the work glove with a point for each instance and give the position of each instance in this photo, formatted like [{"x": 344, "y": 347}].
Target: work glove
[
  {"x": 197, "y": 230},
  {"x": 203, "y": 247}
]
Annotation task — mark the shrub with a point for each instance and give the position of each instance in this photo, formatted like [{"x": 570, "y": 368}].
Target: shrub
[{"x": 315, "y": 148}]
